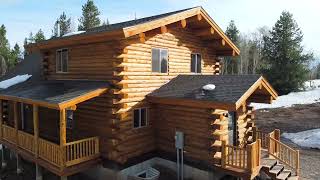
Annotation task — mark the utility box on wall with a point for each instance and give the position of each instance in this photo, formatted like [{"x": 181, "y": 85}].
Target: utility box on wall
[{"x": 179, "y": 139}]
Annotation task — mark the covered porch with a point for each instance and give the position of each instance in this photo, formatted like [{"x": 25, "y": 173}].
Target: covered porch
[{"x": 37, "y": 122}]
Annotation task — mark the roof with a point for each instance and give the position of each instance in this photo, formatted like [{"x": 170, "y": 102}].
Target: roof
[
  {"x": 55, "y": 94},
  {"x": 135, "y": 27},
  {"x": 230, "y": 90}
]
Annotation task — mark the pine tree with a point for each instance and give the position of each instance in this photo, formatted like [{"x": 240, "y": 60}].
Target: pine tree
[
  {"x": 30, "y": 38},
  {"x": 89, "y": 17},
  {"x": 285, "y": 64},
  {"x": 5, "y": 53},
  {"x": 39, "y": 36},
  {"x": 64, "y": 24},
  {"x": 231, "y": 63}
]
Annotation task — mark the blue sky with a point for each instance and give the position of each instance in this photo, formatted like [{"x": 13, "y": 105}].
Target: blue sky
[{"x": 23, "y": 16}]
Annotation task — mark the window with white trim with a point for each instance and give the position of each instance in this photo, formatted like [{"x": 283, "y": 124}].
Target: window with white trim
[
  {"x": 196, "y": 63},
  {"x": 140, "y": 117},
  {"x": 62, "y": 60},
  {"x": 159, "y": 60}
]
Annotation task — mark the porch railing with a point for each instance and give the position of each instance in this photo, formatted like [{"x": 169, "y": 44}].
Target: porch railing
[
  {"x": 82, "y": 150},
  {"x": 247, "y": 158},
  {"x": 26, "y": 141},
  {"x": 50, "y": 152},
  {"x": 9, "y": 134},
  {"x": 278, "y": 150}
]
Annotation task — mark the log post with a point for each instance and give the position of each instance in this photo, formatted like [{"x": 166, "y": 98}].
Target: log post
[
  {"x": 277, "y": 137},
  {"x": 223, "y": 153},
  {"x": 259, "y": 152},
  {"x": 15, "y": 117},
  {"x": 63, "y": 137},
  {"x": 36, "y": 129},
  {"x": 250, "y": 157},
  {"x": 298, "y": 163}
]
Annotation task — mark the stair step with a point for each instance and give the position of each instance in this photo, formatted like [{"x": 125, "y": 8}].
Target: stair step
[
  {"x": 284, "y": 175},
  {"x": 277, "y": 169},
  {"x": 268, "y": 163},
  {"x": 293, "y": 178}
]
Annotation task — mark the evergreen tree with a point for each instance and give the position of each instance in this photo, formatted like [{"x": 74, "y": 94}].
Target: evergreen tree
[
  {"x": 62, "y": 26},
  {"x": 39, "y": 36},
  {"x": 5, "y": 53},
  {"x": 89, "y": 17},
  {"x": 30, "y": 38},
  {"x": 285, "y": 64},
  {"x": 231, "y": 63}
]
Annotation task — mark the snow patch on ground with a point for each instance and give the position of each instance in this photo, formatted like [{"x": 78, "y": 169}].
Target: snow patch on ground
[
  {"x": 15, "y": 80},
  {"x": 309, "y": 139},
  {"x": 310, "y": 95},
  {"x": 73, "y": 33}
]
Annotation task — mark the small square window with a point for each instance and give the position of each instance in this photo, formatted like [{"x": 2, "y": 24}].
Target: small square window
[
  {"x": 69, "y": 117},
  {"x": 140, "y": 117}
]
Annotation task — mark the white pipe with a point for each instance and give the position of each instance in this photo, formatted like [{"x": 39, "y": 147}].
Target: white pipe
[
  {"x": 182, "y": 165},
  {"x": 178, "y": 165}
]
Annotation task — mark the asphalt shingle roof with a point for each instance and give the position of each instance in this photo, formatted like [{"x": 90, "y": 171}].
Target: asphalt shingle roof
[{"x": 228, "y": 88}]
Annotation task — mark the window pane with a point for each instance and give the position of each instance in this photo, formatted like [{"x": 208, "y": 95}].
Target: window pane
[
  {"x": 143, "y": 117},
  {"x": 193, "y": 63},
  {"x": 155, "y": 60},
  {"x": 164, "y": 61},
  {"x": 136, "y": 117},
  {"x": 69, "y": 118},
  {"x": 58, "y": 61},
  {"x": 198, "y": 63},
  {"x": 64, "y": 60}
]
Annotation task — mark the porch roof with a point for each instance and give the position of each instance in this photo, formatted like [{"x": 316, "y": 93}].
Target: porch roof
[
  {"x": 55, "y": 94},
  {"x": 231, "y": 91}
]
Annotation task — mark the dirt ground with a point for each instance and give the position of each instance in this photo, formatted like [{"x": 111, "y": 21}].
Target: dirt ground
[{"x": 295, "y": 119}]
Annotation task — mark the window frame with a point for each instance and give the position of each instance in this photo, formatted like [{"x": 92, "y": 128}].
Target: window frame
[
  {"x": 147, "y": 117},
  {"x": 160, "y": 67},
  {"x": 69, "y": 125},
  {"x": 196, "y": 63},
  {"x": 67, "y": 60}
]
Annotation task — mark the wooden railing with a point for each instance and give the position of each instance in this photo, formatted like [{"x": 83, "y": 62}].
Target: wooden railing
[
  {"x": 247, "y": 158},
  {"x": 26, "y": 141},
  {"x": 278, "y": 150},
  {"x": 284, "y": 154},
  {"x": 9, "y": 134},
  {"x": 50, "y": 152},
  {"x": 82, "y": 150}
]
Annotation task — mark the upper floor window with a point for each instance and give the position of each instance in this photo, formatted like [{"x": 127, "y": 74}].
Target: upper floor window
[
  {"x": 159, "y": 60},
  {"x": 196, "y": 63},
  {"x": 140, "y": 117},
  {"x": 62, "y": 60}
]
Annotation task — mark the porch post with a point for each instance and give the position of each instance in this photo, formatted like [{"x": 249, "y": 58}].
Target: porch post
[
  {"x": 19, "y": 165},
  {"x": 15, "y": 112},
  {"x": 63, "y": 137},
  {"x": 3, "y": 158},
  {"x": 38, "y": 172},
  {"x": 36, "y": 129}
]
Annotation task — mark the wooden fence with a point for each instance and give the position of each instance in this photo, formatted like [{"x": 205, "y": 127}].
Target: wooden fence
[
  {"x": 50, "y": 152},
  {"x": 26, "y": 141},
  {"x": 9, "y": 134}
]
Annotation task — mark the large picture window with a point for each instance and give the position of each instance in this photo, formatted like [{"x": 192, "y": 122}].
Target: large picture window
[
  {"x": 196, "y": 63},
  {"x": 159, "y": 60},
  {"x": 140, "y": 117},
  {"x": 62, "y": 60}
]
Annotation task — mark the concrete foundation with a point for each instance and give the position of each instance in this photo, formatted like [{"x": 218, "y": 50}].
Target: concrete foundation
[{"x": 101, "y": 173}]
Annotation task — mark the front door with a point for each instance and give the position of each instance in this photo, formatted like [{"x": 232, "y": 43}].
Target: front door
[{"x": 232, "y": 128}]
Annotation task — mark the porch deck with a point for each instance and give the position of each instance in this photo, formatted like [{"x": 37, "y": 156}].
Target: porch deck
[{"x": 62, "y": 160}]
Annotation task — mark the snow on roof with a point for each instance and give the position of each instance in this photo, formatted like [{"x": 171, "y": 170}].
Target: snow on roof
[
  {"x": 309, "y": 96},
  {"x": 209, "y": 87},
  {"x": 73, "y": 33},
  {"x": 13, "y": 81},
  {"x": 310, "y": 138}
]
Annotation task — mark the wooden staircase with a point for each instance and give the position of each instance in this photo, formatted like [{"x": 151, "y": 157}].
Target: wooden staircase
[{"x": 275, "y": 170}]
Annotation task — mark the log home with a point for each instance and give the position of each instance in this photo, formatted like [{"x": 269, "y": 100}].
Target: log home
[{"x": 116, "y": 98}]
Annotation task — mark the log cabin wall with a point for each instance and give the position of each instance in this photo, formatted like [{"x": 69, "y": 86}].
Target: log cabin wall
[
  {"x": 138, "y": 80},
  {"x": 245, "y": 122},
  {"x": 90, "y": 61}
]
